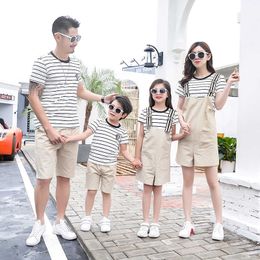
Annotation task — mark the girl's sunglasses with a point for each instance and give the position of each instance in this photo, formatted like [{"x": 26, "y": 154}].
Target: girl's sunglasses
[
  {"x": 117, "y": 110},
  {"x": 200, "y": 55},
  {"x": 159, "y": 91}
]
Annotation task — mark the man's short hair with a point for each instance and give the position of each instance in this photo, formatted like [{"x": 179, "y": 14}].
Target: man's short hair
[{"x": 63, "y": 24}]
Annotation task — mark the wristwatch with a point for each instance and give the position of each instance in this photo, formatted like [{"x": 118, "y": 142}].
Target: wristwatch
[{"x": 102, "y": 100}]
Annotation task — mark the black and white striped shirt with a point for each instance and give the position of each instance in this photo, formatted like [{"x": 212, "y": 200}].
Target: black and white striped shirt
[
  {"x": 159, "y": 118},
  {"x": 106, "y": 142},
  {"x": 200, "y": 87},
  {"x": 59, "y": 98}
]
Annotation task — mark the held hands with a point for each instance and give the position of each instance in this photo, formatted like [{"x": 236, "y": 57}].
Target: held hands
[
  {"x": 185, "y": 127},
  {"x": 234, "y": 77},
  {"x": 54, "y": 136},
  {"x": 137, "y": 164}
]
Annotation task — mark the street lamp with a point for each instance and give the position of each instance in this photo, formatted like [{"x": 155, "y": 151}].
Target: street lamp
[{"x": 150, "y": 49}]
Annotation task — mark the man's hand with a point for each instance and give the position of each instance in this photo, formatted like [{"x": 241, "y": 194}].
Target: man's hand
[
  {"x": 54, "y": 136},
  {"x": 109, "y": 98}
]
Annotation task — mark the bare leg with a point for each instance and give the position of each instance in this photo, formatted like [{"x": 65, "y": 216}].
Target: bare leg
[
  {"x": 212, "y": 179},
  {"x": 106, "y": 204},
  {"x": 89, "y": 202},
  {"x": 62, "y": 196},
  {"x": 41, "y": 196},
  {"x": 147, "y": 201},
  {"x": 157, "y": 199},
  {"x": 188, "y": 178}
]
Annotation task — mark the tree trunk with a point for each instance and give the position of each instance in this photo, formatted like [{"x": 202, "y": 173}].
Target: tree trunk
[{"x": 87, "y": 116}]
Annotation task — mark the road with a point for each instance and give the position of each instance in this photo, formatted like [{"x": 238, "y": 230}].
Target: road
[{"x": 17, "y": 217}]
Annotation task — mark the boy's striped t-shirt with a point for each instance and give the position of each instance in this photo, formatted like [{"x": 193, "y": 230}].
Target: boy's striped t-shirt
[{"x": 106, "y": 142}]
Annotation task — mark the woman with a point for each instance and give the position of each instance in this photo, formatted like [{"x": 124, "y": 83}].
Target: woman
[{"x": 201, "y": 91}]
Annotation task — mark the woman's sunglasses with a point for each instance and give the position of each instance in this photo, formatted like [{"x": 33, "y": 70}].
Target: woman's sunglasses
[
  {"x": 117, "y": 110},
  {"x": 71, "y": 38},
  {"x": 159, "y": 91},
  {"x": 199, "y": 54}
]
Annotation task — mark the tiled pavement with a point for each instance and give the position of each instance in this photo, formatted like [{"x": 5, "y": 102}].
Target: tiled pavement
[{"x": 126, "y": 215}]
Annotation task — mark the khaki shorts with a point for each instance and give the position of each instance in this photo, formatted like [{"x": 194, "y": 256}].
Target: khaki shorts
[
  {"x": 55, "y": 159},
  {"x": 100, "y": 175}
]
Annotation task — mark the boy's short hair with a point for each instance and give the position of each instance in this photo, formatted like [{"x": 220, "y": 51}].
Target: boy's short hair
[
  {"x": 63, "y": 24},
  {"x": 125, "y": 103}
]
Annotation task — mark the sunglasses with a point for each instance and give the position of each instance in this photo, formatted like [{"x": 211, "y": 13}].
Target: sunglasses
[
  {"x": 199, "y": 54},
  {"x": 158, "y": 91},
  {"x": 117, "y": 110},
  {"x": 71, "y": 38}
]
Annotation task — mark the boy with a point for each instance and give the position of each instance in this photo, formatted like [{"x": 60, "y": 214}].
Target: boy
[{"x": 109, "y": 138}]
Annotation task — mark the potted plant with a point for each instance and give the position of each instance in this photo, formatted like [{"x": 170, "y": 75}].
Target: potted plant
[{"x": 227, "y": 153}]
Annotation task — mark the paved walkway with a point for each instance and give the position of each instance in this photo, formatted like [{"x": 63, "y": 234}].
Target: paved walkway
[{"x": 126, "y": 215}]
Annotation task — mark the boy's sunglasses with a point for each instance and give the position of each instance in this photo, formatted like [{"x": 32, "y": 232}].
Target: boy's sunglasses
[
  {"x": 199, "y": 55},
  {"x": 71, "y": 38},
  {"x": 159, "y": 91},
  {"x": 117, "y": 110}
]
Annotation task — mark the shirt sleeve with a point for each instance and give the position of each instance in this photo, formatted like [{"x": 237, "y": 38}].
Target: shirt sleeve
[
  {"x": 39, "y": 72},
  {"x": 175, "y": 119},
  {"x": 142, "y": 116},
  {"x": 180, "y": 91},
  {"x": 220, "y": 84},
  {"x": 124, "y": 138},
  {"x": 94, "y": 125}
]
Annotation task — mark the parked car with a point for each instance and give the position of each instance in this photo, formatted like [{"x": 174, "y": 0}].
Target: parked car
[{"x": 10, "y": 142}]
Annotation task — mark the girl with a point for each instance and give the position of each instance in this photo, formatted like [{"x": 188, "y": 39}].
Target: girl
[
  {"x": 156, "y": 131},
  {"x": 201, "y": 91}
]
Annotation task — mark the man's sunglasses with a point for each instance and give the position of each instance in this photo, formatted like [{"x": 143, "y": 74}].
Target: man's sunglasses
[
  {"x": 117, "y": 110},
  {"x": 71, "y": 38},
  {"x": 200, "y": 55},
  {"x": 158, "y": 91}
]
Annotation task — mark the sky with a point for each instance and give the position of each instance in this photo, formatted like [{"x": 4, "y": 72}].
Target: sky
[{"x": 111, "y": 31}]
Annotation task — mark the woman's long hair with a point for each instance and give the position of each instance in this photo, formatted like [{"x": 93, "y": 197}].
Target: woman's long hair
[
  {"x": 166, "y": 84},
  {"x": 189, "y": 68}
]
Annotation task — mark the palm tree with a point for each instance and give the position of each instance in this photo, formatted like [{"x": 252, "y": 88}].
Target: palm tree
[{"x": 101, "y": 82}]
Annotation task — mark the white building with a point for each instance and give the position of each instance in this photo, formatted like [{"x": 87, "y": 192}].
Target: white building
[{"x": 9, "y": 103}]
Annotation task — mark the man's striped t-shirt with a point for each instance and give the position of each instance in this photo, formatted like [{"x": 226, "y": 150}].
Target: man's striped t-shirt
[
  {"x": 60, "y": 80},
  {"x": 106, "y": 142}
]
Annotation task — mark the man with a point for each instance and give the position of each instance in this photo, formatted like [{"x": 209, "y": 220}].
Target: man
[{"x": 54, "y": 88}]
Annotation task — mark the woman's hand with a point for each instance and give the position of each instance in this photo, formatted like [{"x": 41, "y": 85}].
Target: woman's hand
[{"x": 234, "y": 77}]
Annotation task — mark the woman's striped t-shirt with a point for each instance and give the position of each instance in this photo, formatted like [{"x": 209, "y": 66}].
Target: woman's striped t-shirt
[
  {"x": 106, "y": 142},
  {"x": 60, "y": 80},
  {"x": 199, "y": 87}
]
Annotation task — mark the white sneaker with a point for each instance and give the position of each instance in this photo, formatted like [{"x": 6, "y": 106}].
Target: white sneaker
[
  {"x": 63, "y": 230},
  {"x": 105, "y": 225},
  {"x": 218, "y": 232},
  {"x": 154, "y": 230},
  {"x": 36, "y": 234},
  {"x": 85, "y": 224},
  {"x": 143, "y": 230},
  {"x": 187, "y": 230}
]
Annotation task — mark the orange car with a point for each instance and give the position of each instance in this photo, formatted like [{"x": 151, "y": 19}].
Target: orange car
[{"x": 10, "y": 142}]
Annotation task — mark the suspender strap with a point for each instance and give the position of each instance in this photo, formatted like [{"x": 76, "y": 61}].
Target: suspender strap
[
  {"x": 186, "y": 90},
  {"x": 213, "y": 85},
  {"x": 169, "y": 120},
  {"x": 149, "y": 118}
]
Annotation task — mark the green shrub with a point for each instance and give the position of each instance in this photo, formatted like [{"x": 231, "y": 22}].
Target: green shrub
[{"x": 227, "y": 148}]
